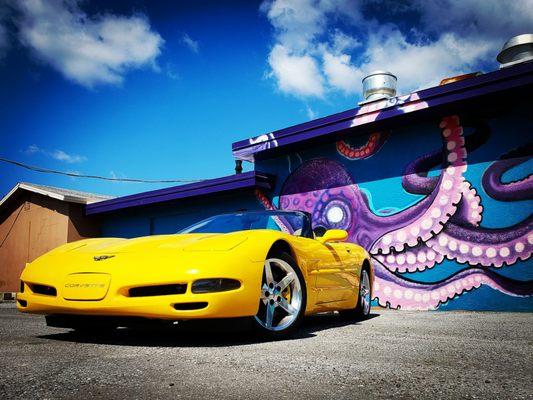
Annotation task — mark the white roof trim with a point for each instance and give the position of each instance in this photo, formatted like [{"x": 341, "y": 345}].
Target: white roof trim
[{"x": 30, "y": 188}]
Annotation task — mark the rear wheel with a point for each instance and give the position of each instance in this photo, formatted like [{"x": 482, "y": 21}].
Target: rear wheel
[
  {"x": 283, "y": 296},
  {"x": 362, "y": 309}
]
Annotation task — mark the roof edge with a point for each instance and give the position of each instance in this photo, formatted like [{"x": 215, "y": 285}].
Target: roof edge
[{"x": 244, "y": 180}]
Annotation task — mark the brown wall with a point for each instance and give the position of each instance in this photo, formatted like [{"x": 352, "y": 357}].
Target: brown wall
[{"x": 30, "y": 226}]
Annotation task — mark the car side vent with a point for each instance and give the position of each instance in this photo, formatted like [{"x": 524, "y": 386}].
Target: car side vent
[
  {"x": 158, "y": 290},
  {"x": 43, "y": 289}
]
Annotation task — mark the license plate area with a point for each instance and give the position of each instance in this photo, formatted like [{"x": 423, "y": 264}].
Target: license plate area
[{"x": 86, "y": 286}]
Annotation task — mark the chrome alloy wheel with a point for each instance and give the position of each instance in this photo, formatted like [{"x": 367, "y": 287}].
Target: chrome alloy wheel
[
  {"x": 281, "y": 296},
  {"x": 364, "y": 293}
]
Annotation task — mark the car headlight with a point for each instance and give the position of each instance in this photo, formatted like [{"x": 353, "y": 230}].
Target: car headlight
[{"x": 215, "y": 285}]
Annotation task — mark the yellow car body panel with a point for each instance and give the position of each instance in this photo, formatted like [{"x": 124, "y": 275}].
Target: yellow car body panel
[{"x": 94, "y": 276}]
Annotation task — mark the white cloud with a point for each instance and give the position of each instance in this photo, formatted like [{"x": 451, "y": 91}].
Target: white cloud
[
  {"x": 344, "y": 45},
  {"x": 493, "y": 20},
  {"x": 341, "y": 73},
  {"x": 58, "y": 155},
  {"x": 193, "y": 45},
  {"x": 295, "y": 74},
  {"x": 89, "y": 50},
  {"x": 419, "y": 65}
]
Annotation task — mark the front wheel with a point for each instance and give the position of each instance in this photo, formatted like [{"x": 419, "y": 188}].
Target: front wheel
[{"x": 283, "y": 296}]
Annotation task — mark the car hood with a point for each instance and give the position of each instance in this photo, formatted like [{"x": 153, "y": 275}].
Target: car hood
[{"x": 184, "y": 242}]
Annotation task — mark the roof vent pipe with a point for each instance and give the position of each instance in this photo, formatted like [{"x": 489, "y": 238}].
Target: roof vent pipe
[
  {"x": 516, "y": 50},
  {"x": 379, "y": 85}
]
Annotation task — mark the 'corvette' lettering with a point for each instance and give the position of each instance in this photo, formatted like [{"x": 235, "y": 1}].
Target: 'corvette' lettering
[{"x": 84, "y": 285}]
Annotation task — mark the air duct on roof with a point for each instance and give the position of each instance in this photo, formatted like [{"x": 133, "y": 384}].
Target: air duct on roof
[
  {"x": 516, "y": 50},
  {"x": 379, "y": 85}
]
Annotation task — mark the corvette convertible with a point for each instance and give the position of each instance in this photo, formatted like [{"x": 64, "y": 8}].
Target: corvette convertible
[{"x": 266, "y": 265}]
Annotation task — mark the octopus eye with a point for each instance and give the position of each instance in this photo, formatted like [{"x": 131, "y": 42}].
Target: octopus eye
[{"x": 335, "y": 215}]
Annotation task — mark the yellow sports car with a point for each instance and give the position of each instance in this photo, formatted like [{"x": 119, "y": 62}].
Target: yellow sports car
[{"x": 267, "y": 265}]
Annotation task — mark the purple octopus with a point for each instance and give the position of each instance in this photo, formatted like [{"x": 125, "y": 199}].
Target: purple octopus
[{"x": 444, "y": 224}]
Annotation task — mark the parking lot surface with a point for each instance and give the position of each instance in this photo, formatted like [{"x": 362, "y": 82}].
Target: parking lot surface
[{"x": 394, "y": 354}]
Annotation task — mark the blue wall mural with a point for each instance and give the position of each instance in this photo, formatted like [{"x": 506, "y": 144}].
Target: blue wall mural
[{"x": 445, "y": 208}]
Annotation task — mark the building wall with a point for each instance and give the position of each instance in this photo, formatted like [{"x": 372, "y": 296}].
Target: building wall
[
  {"x": 444, "y": 206},
  {"x": 32, "y": 225},
  {"x": 171, "y": 217}
]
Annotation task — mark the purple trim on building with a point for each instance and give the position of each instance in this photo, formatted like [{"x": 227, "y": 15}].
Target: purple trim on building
[
  {"x": 247, "y": 180},
  {"x": 435, "y": 98}
]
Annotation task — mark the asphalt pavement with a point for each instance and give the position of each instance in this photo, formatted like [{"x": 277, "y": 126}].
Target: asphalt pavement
[{"x": 396, "y": 354}]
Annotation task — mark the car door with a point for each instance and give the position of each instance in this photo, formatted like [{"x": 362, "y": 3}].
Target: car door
[{"x": 325, "y": 264}]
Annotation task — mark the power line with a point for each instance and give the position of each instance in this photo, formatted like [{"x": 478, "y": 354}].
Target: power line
[{"x": 105, "y": 178}]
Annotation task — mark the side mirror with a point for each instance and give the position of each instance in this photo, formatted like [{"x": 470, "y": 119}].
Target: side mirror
[{"x": 333, "y": 235}]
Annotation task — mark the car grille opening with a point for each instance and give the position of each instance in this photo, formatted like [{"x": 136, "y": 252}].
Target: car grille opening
[
  {"x": 21, "y": 286},
  {"x": 23, "y": 303},
  {"x": 43, "y": 289},
  {"x": 157, "y": 290},
  {"x": 197, "y": 305}
]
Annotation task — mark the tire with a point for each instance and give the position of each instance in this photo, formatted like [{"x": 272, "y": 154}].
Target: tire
[
  {"x": 283, "y": 297},
  {"x": 362, "y": 309}
]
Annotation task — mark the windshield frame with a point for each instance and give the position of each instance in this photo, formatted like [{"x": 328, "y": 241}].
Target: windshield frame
[{"x": 307, "y": 230}]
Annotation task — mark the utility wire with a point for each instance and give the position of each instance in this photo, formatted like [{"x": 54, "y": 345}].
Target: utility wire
[
  {"x": 12, "y": 225},
  {"x": 105, "y": 178}
]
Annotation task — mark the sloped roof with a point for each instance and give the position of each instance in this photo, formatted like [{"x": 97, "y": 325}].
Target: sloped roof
[{"x": 68, "y": 195}]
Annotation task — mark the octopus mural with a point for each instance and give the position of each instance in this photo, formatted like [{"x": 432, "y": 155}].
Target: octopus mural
[{"x": 444, "y": 224}]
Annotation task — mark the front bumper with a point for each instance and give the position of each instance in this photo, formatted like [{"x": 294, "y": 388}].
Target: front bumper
[{"x": 116, "y": 301}]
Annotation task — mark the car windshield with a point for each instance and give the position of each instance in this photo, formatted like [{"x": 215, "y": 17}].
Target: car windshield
[{"x": 294, "y": 222}]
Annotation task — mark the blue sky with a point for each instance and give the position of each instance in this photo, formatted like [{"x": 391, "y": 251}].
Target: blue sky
[{"x": 160, "y": 90}]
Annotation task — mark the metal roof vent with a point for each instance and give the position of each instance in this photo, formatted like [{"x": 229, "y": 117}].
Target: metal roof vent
[
  {"x": 516, "y": 50},
  {"x": 378, "y": 85}
]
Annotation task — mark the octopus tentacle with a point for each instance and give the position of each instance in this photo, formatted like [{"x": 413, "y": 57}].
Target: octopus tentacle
[
  {"x": 512, "y": 191},
  {"x": 414, "y": 259},
  {"x": 415, "y": 178},
  {"x": 484, "y": 246},
  {"x": 263, "y": 199},
  {"x": 371, "y": 147},
  {"x": 469, "y": 210},
  {"x": 440, "y": 205},
  {"x": 391, "y": 290},
  {"x": 281, "y": 222}
]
